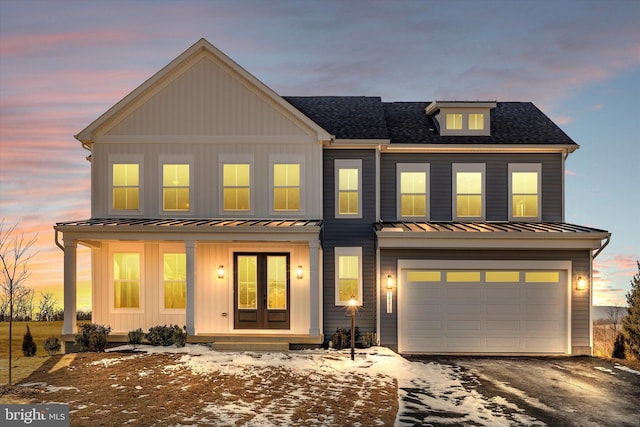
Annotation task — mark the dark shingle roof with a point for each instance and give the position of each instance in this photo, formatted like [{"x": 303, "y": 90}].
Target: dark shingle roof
[
  {"x": 351, "y": 117},
  {"x": 345, "y": 117}
]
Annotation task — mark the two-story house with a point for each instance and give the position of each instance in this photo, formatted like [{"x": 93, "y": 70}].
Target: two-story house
[{"x": 252, "y": 217}]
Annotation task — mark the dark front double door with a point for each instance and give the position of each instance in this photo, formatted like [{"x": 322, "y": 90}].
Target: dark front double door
[{"x": 261, "y": 290}]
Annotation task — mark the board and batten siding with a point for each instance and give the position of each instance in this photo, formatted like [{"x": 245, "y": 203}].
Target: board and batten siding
[
  {"x": 496, "y": 183},
  {"x": 340, "y": 232},
  {"x": 213, "y": 296},
  {"x": 205, "y": 181},
  {"x": 151, "y": 312},
  {"x": 206, "y": 98},
  {"x": 580, "y": 305}
]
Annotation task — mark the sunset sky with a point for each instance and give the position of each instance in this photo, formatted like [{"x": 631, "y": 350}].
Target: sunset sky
[{"x": 64, "y": 63}]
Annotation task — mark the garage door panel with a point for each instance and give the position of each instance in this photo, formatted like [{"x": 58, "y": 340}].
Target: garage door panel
[
  {"x": 503, "y": 343},
  {"x": 463, "y": 310},
  {"x": 503, "y": 309},
  {"x": 490, "y": 317},
  {"x": 463, "y": 325},
  {"x": 511, "y": 293},
  {"x": 503, "y": 326},
  {"x": 463, "y": 293}
]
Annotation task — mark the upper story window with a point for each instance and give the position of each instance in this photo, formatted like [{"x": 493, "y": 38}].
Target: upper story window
[
  {"x": 476, "y": 121},
  {"x": 468, "y": 191},
  {"x": 126, "y": 280},
  {"x": 412, "y": 190},
  {"x": 236, "y": 182},
  {"x": 348, "y": 188},
  {"x": 348, "y": 275},
  {"x": 175, "y": 187},
  {"x": 286, "y": 187},
  {"x": 126, "y": 186},
  {"x": 174, "y": 274},
  {"x": 524, "y": 191},
  {"x": 462, "y": 118}
]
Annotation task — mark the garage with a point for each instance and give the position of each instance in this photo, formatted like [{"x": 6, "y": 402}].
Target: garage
[{"x": 483, "y": 307}]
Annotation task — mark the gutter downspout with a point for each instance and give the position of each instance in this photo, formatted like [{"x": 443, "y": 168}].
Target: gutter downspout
[
  {"x": 601, "y": 248},
  {"x": 58, "y": 241}
]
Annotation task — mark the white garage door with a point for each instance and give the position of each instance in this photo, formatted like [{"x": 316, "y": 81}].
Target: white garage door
[{"x": 483, "y": 311}]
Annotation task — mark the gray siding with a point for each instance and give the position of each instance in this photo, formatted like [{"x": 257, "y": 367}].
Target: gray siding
[
  {"x": 580, "y": 306},
  {"x": 349, "y": 233},
  {"x": 497, "y": 183}
]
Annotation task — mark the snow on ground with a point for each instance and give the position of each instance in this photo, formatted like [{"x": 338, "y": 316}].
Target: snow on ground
[
  {"x": 626, "y": 369},
  {"x": 428, "y": 392}
]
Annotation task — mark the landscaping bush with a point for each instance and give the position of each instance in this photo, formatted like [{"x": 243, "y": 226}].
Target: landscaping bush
[
  {"x": 51, "y": 345},
  {"x": 135, "y": 338},
  {"x": 167, "y": 335},
  {"x": 619, "y": 347},
  {"x": 92, "y": 337},
  {"x": 29, "y": 346},
  {"x": 342, "y": 338}
]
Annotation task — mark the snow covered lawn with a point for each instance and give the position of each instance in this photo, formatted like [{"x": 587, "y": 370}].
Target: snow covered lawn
[{"x": 197, "y": 386}]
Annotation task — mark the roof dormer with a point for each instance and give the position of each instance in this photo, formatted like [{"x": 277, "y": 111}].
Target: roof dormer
[{"x": 462, "y": 118}]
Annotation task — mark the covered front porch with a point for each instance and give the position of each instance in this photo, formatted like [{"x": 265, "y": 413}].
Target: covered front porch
[{"x": 211, "y": 250}]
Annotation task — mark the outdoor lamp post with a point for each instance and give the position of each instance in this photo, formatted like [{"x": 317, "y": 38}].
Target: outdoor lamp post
[{"x": 352, "y": 307}]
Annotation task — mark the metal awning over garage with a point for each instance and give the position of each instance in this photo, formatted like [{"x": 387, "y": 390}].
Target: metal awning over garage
[{"x": 489, "y": 235}]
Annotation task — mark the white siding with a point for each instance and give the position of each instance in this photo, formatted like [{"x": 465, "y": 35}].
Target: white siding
[
  {"x": 206, "y": 99},
  {"x": 205, "y": 185}
]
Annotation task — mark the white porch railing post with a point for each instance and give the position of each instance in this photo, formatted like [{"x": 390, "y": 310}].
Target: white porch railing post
[
  {"x": 70, "y": 289},
  {"x": 314, "y": 288},
  {"x": 190, "y": 248}
]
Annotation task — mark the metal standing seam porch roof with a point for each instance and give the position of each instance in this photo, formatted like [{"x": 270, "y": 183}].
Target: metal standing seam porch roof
[
  {"x": 486, "y": 227},
  {"x": 190, "y": 222}
]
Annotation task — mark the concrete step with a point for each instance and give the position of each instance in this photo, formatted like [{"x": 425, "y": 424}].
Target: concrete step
[{"x": 250, "y": 346}]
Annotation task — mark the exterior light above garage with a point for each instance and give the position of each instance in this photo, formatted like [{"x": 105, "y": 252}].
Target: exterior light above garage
[{"x": 581, "y": 283}]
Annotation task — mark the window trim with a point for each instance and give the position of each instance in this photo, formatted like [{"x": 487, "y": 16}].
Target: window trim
[
  {"x": 126, "y": 159},
  {"x": 467, "y": 167},
  {"x": 347, "y": 251},
  {"x": 174, "y": 248},
  {"x": 286, "y": 159},
  {"x": 176, "y": 160},
  {"x": 413, "y": 167},
  {"x": 347, "y": 164},
  {"x": 465, "y": 130},
  {"x": 525, "y": 167},
  {"x": 236, "y": 159},
  {"x": 127, "y": 249}
]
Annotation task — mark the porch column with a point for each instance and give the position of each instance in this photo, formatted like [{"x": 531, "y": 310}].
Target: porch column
[
  {"x": 314, "y": 288},
  {"x": 70, "y": 279},
  {"x": 190, "y": 248}
]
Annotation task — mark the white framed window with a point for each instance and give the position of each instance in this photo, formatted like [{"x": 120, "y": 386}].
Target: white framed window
[
  {"x": 174, "y": 281},
  {"x": 126, "y": 278},
  {"x": 286, "y": 178},
  {"x": 176, "y": 176},
  {"x": 453, "y": 121},
  {"x": 412, "y": 189},
  {"x": 476, "y": 121},
  {"x": 236, "y": 184},
  {"x": 348, "y": 275},
  {"x": 468, "y": 191},
  {"x": 126, "y": 184},
  {"x": 348, "y": 188},
  {"x": 525, "y": 182}
]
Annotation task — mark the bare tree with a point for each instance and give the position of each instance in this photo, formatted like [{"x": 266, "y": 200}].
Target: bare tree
[
  {"x": 46, "y": 308},
  {"x": 615, "y": 313},
  {"x": 14, "y": 259}
]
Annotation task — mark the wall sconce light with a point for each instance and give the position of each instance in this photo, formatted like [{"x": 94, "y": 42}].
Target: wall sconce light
[
  {"x": 581, "y": 283},
  {"x": 389, "y": 282},
  {"x": 299, "y": 272},
  {"x": 221, "y": 271}
]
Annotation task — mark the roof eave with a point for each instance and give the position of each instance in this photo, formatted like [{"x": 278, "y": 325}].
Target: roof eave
[{"x": 482, "y": 148}]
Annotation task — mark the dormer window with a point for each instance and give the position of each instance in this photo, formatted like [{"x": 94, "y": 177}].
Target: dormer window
[{"x": 454, "y": 118}]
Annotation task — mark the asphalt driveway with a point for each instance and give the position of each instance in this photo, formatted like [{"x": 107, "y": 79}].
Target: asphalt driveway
[{"x": 563, "y": 391}]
